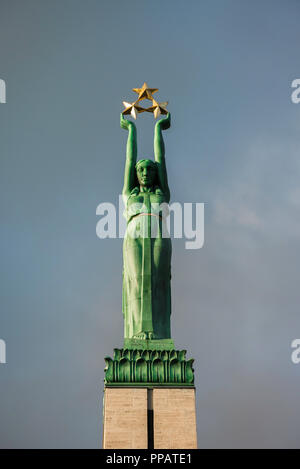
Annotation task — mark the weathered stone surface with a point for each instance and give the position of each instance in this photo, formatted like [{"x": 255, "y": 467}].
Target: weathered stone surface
[
  {"x": 125, "y": 418},
  {"x": 174, "y": 413}
]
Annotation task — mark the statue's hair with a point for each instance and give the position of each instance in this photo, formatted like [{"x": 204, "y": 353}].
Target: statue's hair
[{"x": 148, "y": 161}]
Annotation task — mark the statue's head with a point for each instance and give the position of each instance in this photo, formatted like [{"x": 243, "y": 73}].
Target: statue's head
[{"x": 146, "y": 172}]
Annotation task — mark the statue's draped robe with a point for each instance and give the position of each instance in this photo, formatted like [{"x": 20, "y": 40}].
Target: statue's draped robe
[{"x": 147, "y": 266}]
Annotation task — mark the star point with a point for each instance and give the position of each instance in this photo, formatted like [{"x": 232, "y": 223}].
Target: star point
[
  {"x": 145, "y": 92},
  {"x": 158, "y": 108},
  {"x": 132, "y": 108}
]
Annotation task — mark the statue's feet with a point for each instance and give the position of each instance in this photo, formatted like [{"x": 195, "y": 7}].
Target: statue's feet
[
  {"x": 141, "y": 335},
  {"x": 147, "y": 335}
]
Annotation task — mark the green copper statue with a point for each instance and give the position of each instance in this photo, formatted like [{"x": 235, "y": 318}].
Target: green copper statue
[
  {"x": 148, "y": 356},
  {"x": 146, "y": 252}
]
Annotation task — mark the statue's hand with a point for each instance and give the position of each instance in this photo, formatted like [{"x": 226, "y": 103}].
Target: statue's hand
[
  {"x": 125, "y": 123},
  {"x": 165, "y": 124}
]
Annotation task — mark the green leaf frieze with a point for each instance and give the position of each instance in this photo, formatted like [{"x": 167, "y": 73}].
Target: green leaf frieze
[{"x": 149, "y": 366}]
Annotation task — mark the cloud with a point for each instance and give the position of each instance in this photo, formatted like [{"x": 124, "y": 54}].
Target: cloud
[
  {"x": 236, "y": 215},
  {"x": 263, "y": 191}
]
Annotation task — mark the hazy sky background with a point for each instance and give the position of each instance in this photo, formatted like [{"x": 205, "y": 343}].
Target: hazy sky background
[{"x": 226, "y": 68}]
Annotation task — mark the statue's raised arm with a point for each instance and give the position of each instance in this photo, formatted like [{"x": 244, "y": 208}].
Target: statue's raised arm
[
  {"x": 131, "y": 155},
  {"x": 159, "y": 154}
]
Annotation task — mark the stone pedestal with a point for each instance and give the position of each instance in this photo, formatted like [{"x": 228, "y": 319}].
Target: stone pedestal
[{"x": 149, "y": 417}]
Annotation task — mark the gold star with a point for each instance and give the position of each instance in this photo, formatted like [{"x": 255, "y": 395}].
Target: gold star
[
  {"x": 132, "y": 108},
  {"x": 158, "y": 108},
  {"x": 145, "y": 92}
]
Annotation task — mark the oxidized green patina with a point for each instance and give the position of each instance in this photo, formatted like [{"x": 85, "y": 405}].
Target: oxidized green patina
[
  {"x": 148, "y": 356},
  {"x": 149, "y": 366},
  {"x": 146, "y": 251}
]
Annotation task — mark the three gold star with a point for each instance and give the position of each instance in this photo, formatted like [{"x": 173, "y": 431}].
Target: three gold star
[{"x": 145, "y": 93}]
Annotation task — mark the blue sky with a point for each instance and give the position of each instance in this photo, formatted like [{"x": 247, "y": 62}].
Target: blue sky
[{"x": 226, "y": 68}]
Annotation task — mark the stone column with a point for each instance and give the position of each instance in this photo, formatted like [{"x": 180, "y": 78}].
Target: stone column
[
  {"x": 125, "y": 418},
  {"x": 174, "y": 415}
]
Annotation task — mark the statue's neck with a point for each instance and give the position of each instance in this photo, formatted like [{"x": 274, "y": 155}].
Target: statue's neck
[{"x": 146, "y": 189}]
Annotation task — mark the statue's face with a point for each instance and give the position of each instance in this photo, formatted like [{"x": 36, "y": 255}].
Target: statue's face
[{"x": 146, "y": 173}]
